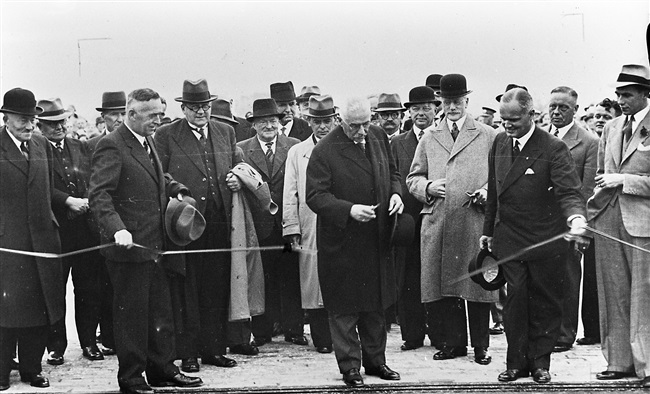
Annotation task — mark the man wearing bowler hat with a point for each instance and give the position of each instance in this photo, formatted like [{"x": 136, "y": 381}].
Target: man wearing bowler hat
[
  {"x": 290, "y": 124},
  {"x": 620, "y": 208},
  {"x": 113, "y": 111},
  {"x": 71, "y": 167},
  {"x": 299, "y": 222},
  {"x": 128, "y": 195},
  {"x": 390, "y": 113},
  {"x": 33, "y": 295},
  {"x": 412, "y": 314},
  {"x": 200, "y": 153},
  {"x": 267, "y": 153},
  {"x": 449, "y": 177}
]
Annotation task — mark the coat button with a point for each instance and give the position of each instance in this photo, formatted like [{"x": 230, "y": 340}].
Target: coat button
[{"x": 202, "y": 198}]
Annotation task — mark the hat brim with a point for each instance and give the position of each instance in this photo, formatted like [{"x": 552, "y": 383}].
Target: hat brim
[
  {"x": 623, "y": 84},
  {"x": 174, "y": 205},
  {"x": 106, "y": 109},
  {"x": 34, "y": 112},
  {"x": 231, "y": 120},
  {"x": 390, "y": 109},
  {"x": 454, "y": 94},
  {"x": 253, "y": 117},
  {"x": 212, "y": 98},
  {"x": 62, "y": 116},
  {"x": 402, "y": 230},
  {"x": 321, "y": 116},
  {"x": 497, "y": 282},
  {"x": 408, "y": 104}
]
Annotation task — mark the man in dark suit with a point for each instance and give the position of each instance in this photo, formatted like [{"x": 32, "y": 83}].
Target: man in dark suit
[
  {"x": 412, "y": 315},
  {"x": 390, "y": 116},
  {"x": 534, "y": 190},
  {"x": 113, "y": 112},
  {"x": 290, "y": 124},
  {"x": 33, "y": 296},
  {"x": 71, "y": 166},
  {"x": 222, "y": 112},
  {"x": 199, "y": 154},
  {"x": 353, "y": 186},
  {"x": 583, "y": 146},
  {"x": 128, "y": 196}
]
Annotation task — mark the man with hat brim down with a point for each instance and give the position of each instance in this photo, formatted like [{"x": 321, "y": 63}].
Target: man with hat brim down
[
  {"x": 200, "y": 153},
  {"x": 71, "y": 167},
  {"x": 449, "y": 177},
  {"x": 534, "y": 191},
  {"x": 390, "y": 113},
  {"x": 267, "y": 153},
  {"x": 128, "y": 195},
  {"x": 113, "y": 112},
  {"x": 353, "y": 187},
  {"x": 303, "y": 100},
  {"x": 290, "y": 124},
  {"x": 299, "y": 221},
  {"x": 620, "y": 208},
  {"x": 32, "y": 287},
  {"x": 487, "y": 116},
  {"x": 222, "y": 112},
  {"x": 412, "y": 315}
]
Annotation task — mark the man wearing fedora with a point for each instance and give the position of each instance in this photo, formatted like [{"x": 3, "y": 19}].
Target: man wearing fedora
[
  {"x": 267, "y": 153},
  {"x": 620, "y": 208},
  {"x": 222, "y": 112},
  {"x": 353, "y": 187},
  {"x": 290, "y": 124},
  {"x": 583, "y": 145},
  {"x": 71, "y": 167},
  {"x": 299, "y": 221},
  {"x": 533, "y": 196},
  {"x": 487, "y": 116},
  {"x": 32, "y": 287},
  {"x": 412, "y": 315},
  {"x": 303, "y": 100},
  {"x": 113, "y": 112},
  {"x": 449, "y": 178},
  {"x": 200, "y": 153},
  {"x": 128, "y": 195},
  {"x": 390, "y": 112}
]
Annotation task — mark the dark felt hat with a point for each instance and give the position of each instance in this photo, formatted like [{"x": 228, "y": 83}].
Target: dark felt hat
[
  {"x": 453, "y": 86},
  {"x": 433, "y": 81},
  {"x": 321, "y": 107},
  {"x": 510, "y": 87},
  {"x": 489, "y": 280},
  {"x": 196, "y": 92},
  {"x": 183, "y": 222},
  {"x": 20, "y": 101},
  {"x": 283, "y": 92},
  {"x": 306, "y": 92},
  {"x": 53, "y": 110},
  {"x": 389, "y": 102},
  {"x": 402, "y": 230},
  {"x": 420, "y": 95},
  {"x": 221, "y": 110},
  {"x": 264, "y": 107},
  {"x": 113, "y": 101}
]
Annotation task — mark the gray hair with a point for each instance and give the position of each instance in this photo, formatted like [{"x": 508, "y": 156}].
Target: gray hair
[
  {"x": 521, "y": 96},
  {"x": 141, "y": 95},
  {"x": 356, "y": 106}
]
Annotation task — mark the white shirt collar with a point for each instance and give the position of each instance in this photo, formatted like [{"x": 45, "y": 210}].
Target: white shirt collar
[
  {"x": 263, "y": 144},
  {"x": 563, "y": 130},
  {"x": 639, "y": 116},
  {"x": 459, "y": 123},
  {"x": 194, "y": 128},
  {"x": 13, "y": 138},
  {"x": 524, "y": 138},
  {"x": 54, "y": 143},
  {"x": 137, "y": 136}
]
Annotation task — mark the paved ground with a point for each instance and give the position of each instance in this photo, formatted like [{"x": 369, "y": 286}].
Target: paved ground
[{"x": 286, "y": 368}]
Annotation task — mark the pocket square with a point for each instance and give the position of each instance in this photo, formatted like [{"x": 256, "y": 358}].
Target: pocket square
[
  {"x": 643, "y": 148},
  {"x": 529, "y": 171}
]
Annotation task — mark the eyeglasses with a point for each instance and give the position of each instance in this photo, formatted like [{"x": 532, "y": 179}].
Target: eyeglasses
[
  {"x": 418, "y": 108},
  {"x": 386, "y": 115},
  {"x": 603, "y": 116},
  {"x": 358, "y": 126},
  {"x": 196, "y": 108}
]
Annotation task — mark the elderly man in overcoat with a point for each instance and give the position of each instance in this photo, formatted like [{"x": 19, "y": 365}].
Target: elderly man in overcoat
[
  {"x": 33, "y": 295},
  {"x": 449, "y": 164},
  {"x": 353, "y": 186}
]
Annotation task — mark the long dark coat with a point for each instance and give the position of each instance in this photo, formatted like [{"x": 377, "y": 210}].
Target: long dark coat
[
  {"x": 355, "y": 268},
  {"x": 32, "y": 288}
]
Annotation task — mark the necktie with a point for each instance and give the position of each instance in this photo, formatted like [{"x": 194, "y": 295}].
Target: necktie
[
  {"x": 24, "y": 148},
  {"x": 59, "y": 146},
  {"x": 147, "y": 148},
  {"x": 269, "y": 156},
  {"x": 454, "y": 131},
  {"x": 515, "y": 150},
  {"x": 284, "y": 129},
  {"x": 627, "y": 129},
  {"x": 557, "y": 132},
  {"x": 420, "y": 135}
]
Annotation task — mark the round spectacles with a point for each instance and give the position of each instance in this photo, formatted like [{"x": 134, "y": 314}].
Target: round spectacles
[
  {"x": 196, "y": 108},
  {"x": 386, "y": 115}
]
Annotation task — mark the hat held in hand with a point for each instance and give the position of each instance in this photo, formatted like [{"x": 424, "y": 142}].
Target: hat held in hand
[
  {"x": 183, "y": 222},
  {"x": 402, "y": 230},
  {"x": 491, "y": 279}
]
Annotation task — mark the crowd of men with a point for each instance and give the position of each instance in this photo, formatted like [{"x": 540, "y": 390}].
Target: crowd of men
[{"x": 385, "y": 213}]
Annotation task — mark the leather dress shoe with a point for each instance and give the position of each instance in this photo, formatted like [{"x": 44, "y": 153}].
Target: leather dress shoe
[
  {"x": 510, "y": 375},
  {"x": 37, "y": 380},
  {"x": 246, "y": 349},
  {"x": 352, "y": 378},
  {"x": 4, "y": 383},
  {"x": 324, "y": 349},
  {"x": 180, "y": 380},
  {"x": 587, "y": 341},
  {"x": 55, "y": 358},
  {"x": 408, "y": 345},
  {"x": 297, "y": 340},
  {"x": 137, "y": 389},
  {"x": 219, "y": 361},
  {"x": 561, "y": 347},
  {"x": 645, "y": 383},
  {"x": 260, "y": 341},
  {"x": 190, "y": 364},
  {"x": 383, "y": 372},
  {"x": 497, "y": 329},
  {"x": 107, "y": 351},
  {"x": 481, "y": 356},
  {"x": 614, "y": 375},
  {"x": 92, "y": 353},
  {"x": 448, "y": 352},
  {"x": 541, "y": 375}
]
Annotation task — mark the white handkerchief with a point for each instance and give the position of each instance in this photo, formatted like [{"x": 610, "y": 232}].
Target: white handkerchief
[
  {"x": 643, "y": 148},
  {"x": 529, "y": 171}
]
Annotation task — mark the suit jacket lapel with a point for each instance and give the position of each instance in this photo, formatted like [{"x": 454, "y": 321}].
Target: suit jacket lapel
[
  {"x": 158, "y": 163},
  {"x": 467, "y": 134},
  {"x": 138, "y": 152},
  {"x": 353, "y": 153},
  {"x": 442, "y": 134},
  {"x": 257, "y": 157},
  {"x": 11, "y": 152},
  {"x": 528, "y": 155},
  {"x": 187, "y": 142},
  {"x": 636, "y": 137},
  {"x": 571, "y": 137},
  {"x": 281, "y": 151},
  {"x": 37, "y": 159},
  {"x": 221, "y": 158},
  {"x": 616, "y": 135}
]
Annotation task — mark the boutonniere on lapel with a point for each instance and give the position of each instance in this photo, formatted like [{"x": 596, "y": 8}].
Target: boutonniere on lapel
[{"x": 644, "y": 145}]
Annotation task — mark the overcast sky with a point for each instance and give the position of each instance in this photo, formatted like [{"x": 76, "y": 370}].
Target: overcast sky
[{"x": 346, "y": 48}]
